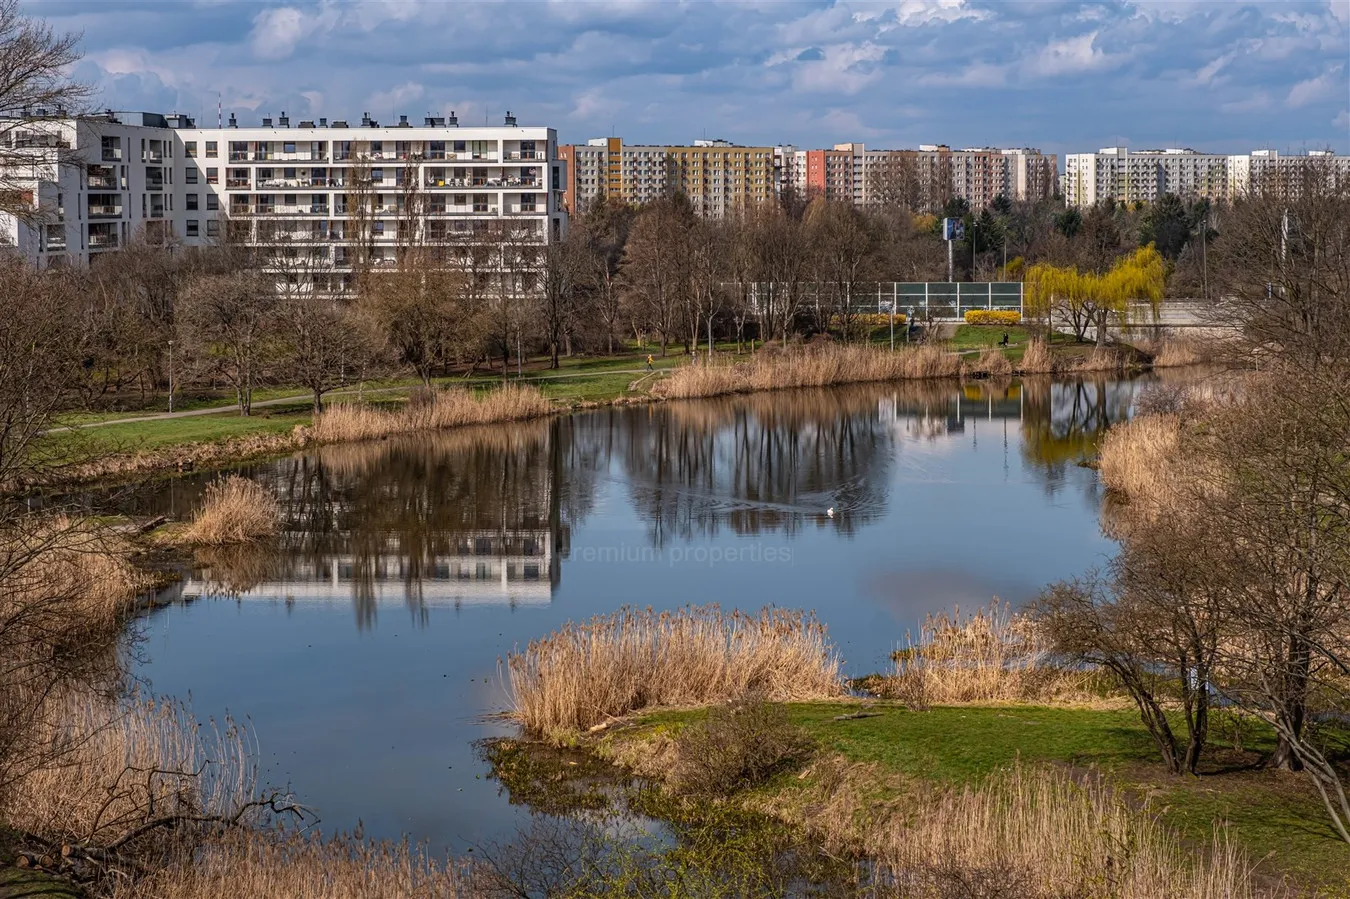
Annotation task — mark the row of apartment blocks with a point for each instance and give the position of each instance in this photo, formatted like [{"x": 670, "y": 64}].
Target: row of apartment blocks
[
  {"x": 1141, "y": 176},
  {"x": 95, "y": 181},
  {"x": 719, "y": 177}
]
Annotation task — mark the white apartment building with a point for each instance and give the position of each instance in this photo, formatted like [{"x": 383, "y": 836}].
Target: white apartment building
[
  {"x": 1141, "y": 176},
  {"x": 142, "y": 172}
]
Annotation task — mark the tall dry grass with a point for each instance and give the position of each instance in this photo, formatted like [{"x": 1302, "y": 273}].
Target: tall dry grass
[
  {"x": 1037, "y": 360},
  {"x": 584, "y": 675},
  {"x": 442, "y": 409},
  {"x": 819, "y": 366},
  {"x": 266, "y": 865},
  {"x": 993, "y": 655},
  {"x": 113, "y": 766},
  {"x": 1138, "y": 460},
  {"x": 1042, "y": 834},
  {"x": 990, "y": 363},
  {"x": 59, "y": 573},
  {"x": 234, "y": 510}
]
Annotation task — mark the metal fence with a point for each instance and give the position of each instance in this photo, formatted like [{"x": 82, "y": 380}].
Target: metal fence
[{"x": 921, "y": 300}]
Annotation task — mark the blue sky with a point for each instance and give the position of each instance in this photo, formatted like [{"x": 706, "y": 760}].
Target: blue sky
[{"x": 1223, "y": 75}]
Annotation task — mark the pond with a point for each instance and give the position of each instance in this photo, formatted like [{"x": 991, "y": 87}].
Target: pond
[{"x": 365, "y": 644}]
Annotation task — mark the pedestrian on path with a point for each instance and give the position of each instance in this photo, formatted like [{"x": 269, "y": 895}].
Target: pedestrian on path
[{"x": 649, "y": 362}]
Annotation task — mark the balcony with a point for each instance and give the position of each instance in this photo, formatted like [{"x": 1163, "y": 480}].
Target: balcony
[
  {"x": 102, "y": 241},
  {"x": 525, "y": 154},
  {"x": 154, "y": 156},
  {"x": 236, "y": 184},
  {"x": 112, "y": 154},
  {"x": 102, "y": 182},
  {"x": 97, "y": 211}
]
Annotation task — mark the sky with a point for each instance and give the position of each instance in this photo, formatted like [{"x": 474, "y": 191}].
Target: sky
[{"x": 1215, "y": 75}]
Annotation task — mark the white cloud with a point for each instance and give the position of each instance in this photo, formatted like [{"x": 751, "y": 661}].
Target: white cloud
[
  {"x": 1070, "y": 56},
  {"x": 845, "y": 69},
  {"x": 1342, "y": 120},
  {"x": 1326, "y": 85},
  {"x": 278, "y": 30}
]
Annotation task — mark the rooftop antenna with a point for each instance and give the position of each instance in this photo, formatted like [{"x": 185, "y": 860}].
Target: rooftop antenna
[{"x": 220, "y": 112}]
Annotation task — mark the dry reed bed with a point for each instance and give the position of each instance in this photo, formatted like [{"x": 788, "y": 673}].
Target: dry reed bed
[
  {"x": 815, "y": 367},
  {"x": 1043, "y": 834},
  {"x": 64, "y": 575},
  {"x": 584, "y": 675},
  {"x": 1137, "y": 461},
  {"x": 112, "y": 766},
  {"x": 992, "y": 655},
  {"x": 444, "y": 409},
  {"x": 234, "y": 510},
  {"x": 254, "y": 865}
]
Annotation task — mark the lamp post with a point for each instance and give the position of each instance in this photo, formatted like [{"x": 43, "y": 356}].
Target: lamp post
[{"x": 170, "y": 376}]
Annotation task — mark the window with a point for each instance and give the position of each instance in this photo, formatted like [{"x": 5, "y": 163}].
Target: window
[
  {"x": 461, "y": 199},
  {"x": 288, "y": 199},
  {"x": 212, "y": 228},
  {"x": 212, "y": 149},
  {"x": 189, "y": 148},
  {"x": 190, "y": 175},
  {"x": 212, "y": 202},
  {"x": 212, "y": 175},
  {"x": 378, "y": 227},
  {"x": 288, "y": 148},
  {"x": 191, "y": 227},
  {"x": 192, "y": 201},
  {"x": 377, "y": 176},
  {"x": 459, "y": 146}
]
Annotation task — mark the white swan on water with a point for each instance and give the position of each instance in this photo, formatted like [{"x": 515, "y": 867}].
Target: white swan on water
[{"x": 830, "y": 511}]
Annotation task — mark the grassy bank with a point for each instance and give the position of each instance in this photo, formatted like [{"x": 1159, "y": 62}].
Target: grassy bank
[{"x": 888, "y": 757}]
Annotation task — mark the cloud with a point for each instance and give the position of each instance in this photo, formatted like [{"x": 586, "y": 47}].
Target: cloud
[
  {"x": 1329, "y": 84},
  {"x": 1064, "y": 75}
]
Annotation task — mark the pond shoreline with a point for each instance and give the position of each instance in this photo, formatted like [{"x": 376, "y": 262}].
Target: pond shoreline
[{"x": 184, "y": 458}]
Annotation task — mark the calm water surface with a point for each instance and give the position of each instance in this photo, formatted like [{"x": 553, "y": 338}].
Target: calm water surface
[{"x": 364, "y": 645}]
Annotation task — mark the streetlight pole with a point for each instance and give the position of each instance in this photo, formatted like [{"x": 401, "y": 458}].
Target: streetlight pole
[{"x": 170, "y": 376}]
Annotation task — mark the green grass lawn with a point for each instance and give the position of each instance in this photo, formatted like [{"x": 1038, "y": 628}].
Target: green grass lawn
[
  {"x": 148, "y": 435},
  {"x": 1274, "y": 816}
]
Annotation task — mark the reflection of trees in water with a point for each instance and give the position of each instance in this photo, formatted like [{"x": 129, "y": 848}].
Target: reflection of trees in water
[
  {"x": 1063, "y": 423},
  {"x": 766, "y": 462}
]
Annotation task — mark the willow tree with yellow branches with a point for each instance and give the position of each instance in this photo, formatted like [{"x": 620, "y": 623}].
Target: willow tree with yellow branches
[{"x": 1089, "y": 298}]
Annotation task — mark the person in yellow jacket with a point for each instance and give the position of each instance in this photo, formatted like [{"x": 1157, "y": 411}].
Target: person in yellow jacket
[{"x": 649, "y": 362}]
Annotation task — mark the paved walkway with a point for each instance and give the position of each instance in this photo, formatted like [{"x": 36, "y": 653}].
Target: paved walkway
[{"x": 307, "y": 398}]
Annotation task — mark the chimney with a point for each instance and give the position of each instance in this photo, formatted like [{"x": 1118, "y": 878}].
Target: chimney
[
  {"x": 454, "y": 120},
  {"x": 267, "y": 122},
  {"x": 510, "y": 120},
  {"x": 323, "y": 122},
  {"x": 284, "y": 121},
  {"x": 403, "y": 122},
  {"x": 234, "y": 123}
]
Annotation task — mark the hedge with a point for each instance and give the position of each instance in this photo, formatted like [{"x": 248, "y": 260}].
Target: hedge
[{"x": 993, "y": 317}]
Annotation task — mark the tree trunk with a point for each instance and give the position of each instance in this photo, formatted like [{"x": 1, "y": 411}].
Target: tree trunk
[{"x": 318, "y": 400}]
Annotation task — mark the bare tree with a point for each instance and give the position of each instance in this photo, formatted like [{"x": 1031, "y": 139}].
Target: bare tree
[
  {"x": 35, "y": 91},
  {"x": 226, "y": 323},
  {"x": 655, "y": 266}
]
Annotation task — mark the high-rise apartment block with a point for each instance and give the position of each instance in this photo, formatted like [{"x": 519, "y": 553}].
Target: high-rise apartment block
[
  {"x": 95, "y": 182},
  {"x": 926, "y": 178},
  {"x": 719, "y": 177},
  {"x": 716, "y": 176},
  {"x": 1141, "y": 176}
]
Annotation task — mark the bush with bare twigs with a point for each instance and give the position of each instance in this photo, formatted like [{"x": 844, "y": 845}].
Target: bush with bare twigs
[
  {"x": 584, "y": 675},
  {"x": 235, "y": 510},
  {"x": 429, "y": 412},
  {"x": 738, "y": 746},
  {"x": 993, "y": 655}
]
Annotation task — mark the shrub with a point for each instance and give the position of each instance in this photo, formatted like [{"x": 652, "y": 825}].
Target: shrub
[
  {"x": 993, "y": 317},
  {"x": 584, "y": 675},
  {"x": 235, "y": 510},
  {"x": 740, "y": 745}
]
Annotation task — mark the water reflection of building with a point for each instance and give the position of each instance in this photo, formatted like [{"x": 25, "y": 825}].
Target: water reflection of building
[
  {"x": 461, "y": 518},
  {"x": 488, "y": 567}
]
